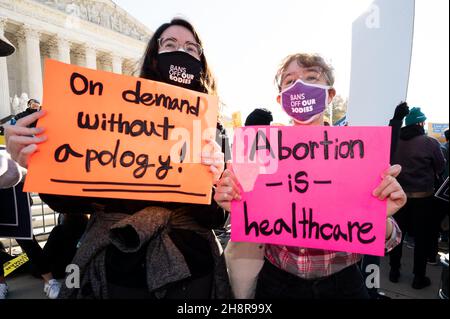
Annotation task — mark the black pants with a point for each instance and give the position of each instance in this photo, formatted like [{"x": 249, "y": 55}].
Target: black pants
[
  {"x": 416, "y": 218},
  {"x": 274, "y": 283},
  {"x": 369, "y": 260},
  {"x": 190, "y": 288},
  {"x": 440, "y": 210},
  {"x": 60, "y": 249},
  {"x": 35, "y": 255}
]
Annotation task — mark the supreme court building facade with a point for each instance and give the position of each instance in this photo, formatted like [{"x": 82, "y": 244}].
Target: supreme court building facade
[{"x": 96, "y": 34}]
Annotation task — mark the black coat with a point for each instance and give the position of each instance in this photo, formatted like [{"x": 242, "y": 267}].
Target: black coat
[
  {"x": 421, "y": 159},
  {"x": 125, "y": 266}
]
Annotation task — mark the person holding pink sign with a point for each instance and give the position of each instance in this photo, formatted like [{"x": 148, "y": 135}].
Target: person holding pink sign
[{"x": 305, "y": 83}]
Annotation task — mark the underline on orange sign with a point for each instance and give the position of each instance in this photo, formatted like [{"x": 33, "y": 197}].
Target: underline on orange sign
[
  {"x": 111, "y": 183},
  {"x": 141, "y": 191}
]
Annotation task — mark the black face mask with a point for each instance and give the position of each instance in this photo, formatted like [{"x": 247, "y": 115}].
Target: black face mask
[{"x": 181, "y": 69}]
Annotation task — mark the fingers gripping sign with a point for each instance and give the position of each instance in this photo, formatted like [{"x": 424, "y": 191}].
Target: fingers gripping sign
[
  {"x": 228, "y": 188},
  {"x": 22, "y": 141},
  {"x": 213, "y": 157},
  {"x": 391, "y": 190}
]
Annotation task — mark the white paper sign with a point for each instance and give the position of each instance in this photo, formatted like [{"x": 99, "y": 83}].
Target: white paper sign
[{"x": 381, "y": 55}]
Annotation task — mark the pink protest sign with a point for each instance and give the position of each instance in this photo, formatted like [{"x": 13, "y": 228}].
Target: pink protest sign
[{"x": 311, "y": 187}]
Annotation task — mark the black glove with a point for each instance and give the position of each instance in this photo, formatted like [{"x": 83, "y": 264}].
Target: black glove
[{"x": 401, "y": 111}]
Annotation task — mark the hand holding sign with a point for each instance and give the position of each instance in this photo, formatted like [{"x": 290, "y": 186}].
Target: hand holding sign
[
  {"x": 227, "y": 189},
  {"x": 214, "y": 158},
  {"x": 390, "y": 188},
  {"x": 21, "y": 141}
]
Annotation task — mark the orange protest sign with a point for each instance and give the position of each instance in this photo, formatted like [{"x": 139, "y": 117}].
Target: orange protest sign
[{"x": 119, "y": 136}]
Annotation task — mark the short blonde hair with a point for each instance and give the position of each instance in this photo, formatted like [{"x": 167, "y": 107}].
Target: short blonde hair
[{"x": 306, "y": 60}]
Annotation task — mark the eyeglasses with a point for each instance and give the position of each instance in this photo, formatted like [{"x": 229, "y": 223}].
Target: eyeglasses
[
  {"x": 311, "y": 75},
  {"x": 172, "y": 44}
]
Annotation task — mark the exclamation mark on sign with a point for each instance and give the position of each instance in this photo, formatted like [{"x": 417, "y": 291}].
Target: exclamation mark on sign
[{"x": 182, "y": 156}]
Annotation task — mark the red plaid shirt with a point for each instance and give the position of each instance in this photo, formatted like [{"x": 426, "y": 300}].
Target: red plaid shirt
[{"x": 311, "y": 263}]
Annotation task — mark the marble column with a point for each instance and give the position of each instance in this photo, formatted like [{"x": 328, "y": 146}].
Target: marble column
[
  {"x": 104, "y": 62},
  {"x": 33, "y": 54},
  {"x": 91, "y": 57},
  {"x": 50, "y": 50},
  {"x": 63, "y": 49},
  {"x": 22, "y": 52},
  {"x": 5, "y": 107},
  {"x": 129, "y": 67},
  {"x": 117, "y": 64},
  {"x": 78, "y": 57}
]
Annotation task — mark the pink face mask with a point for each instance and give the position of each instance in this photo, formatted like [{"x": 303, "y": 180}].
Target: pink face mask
[{"x": 303, "y": 101}]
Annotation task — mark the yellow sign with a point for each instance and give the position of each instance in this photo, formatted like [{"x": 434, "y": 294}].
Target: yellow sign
[
  {"x": 13, "y": 264},
  {"x": 437, "y": 130},
  {"x": 236, "y": 118}
]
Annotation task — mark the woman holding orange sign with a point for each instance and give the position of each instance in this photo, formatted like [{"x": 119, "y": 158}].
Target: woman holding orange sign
[{"x": 141, "y": 249}]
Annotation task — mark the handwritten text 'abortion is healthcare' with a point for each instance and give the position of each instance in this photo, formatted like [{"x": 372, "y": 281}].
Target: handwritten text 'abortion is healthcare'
[{"x": 311, "y": 187}]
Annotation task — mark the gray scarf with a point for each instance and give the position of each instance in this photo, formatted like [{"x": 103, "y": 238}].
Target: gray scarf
[{"x": 165, "y": 263}]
